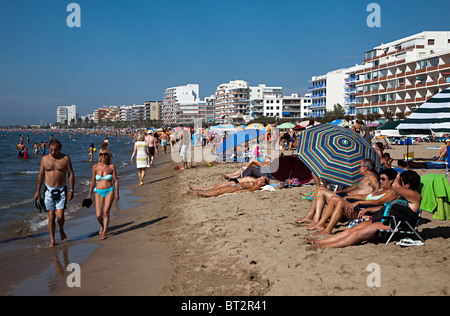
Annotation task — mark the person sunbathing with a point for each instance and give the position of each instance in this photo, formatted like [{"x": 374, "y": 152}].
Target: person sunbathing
[
  {"x": 228, "y": 183},
  {"x": 252, "y": 168},
  {"x": 406, "y": 207},
  {"x": 350, "y": 205},
  {"x": 232, "y": 187},
  {"x": 322, "y": 195}
]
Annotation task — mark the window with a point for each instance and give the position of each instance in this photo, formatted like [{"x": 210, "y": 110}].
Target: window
[
  {"x": 431, "y": 41},
  {"x": 422, "y": 64},
  {"x": 432, "y": 62}
]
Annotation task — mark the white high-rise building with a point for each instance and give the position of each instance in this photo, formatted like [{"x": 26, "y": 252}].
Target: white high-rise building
[
  {"x": 174, "y": 97},
  {"x": 232, "y": 102},
  {"x": 327, "y": 91},
  {"x": 66, "y": 113}
]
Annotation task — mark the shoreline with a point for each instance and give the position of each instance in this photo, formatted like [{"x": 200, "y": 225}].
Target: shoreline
[{"x": 133, "y": 260}]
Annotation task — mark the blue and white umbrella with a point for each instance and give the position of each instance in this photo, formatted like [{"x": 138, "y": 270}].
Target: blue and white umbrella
[{"x": 239, "y": 138}]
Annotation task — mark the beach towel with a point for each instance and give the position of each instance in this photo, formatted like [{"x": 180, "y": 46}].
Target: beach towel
[
  {"x": 435, "y": 195},
  {"x": 307, "y": 196}
]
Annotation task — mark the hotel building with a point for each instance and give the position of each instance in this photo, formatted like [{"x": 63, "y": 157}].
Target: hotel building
[
  {"x": 232, "y": 102},
  {"x": 401, "y": 75},
  {"x": 293, "y": 106},
  {"x": 152, "y": 110},
  {"x": 175, "y": 96},
  {"x": 66, "y": 113},
  {"x": 328, "y": 90}
]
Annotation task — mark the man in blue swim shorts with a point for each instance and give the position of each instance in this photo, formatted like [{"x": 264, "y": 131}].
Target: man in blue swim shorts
[
  {"x": 53, "y": 170},
  {"x": 164, "y": 138}
]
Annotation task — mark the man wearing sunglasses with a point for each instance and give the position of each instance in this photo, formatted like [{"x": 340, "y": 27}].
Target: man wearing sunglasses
[{"x": 54, "y": 168}]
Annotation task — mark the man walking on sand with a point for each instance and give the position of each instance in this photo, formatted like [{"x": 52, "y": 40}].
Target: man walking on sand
[
  {"x": 152, "y": 148},
  {"x": 164, "y": 139},
  {"x": 54, "y": 168}
]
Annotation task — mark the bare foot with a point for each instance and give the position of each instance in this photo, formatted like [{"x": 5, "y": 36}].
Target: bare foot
[
  {"x": 103, "y": 237},
  {"x": 304, "y": 220},
  {"x": 315, "y": 227},
  {"x": 323, "y": 232},
  {"x": 63, "y": 235}
]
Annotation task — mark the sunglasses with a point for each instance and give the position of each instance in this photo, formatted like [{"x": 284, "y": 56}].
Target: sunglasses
[
  {"x": 384, "y": 179},
  {"x": 103, "y": 154}
]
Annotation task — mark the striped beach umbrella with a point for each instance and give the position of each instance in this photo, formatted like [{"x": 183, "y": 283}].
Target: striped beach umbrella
[
  {"x": 334, "y": 153},
  {"x": 430, "y": 118}
]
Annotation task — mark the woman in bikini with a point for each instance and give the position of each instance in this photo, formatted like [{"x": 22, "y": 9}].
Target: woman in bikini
[
  {"x": 405, "y": 206},
  {"x": 103, "y": 175},
  {"x": 349, "y": 205}
]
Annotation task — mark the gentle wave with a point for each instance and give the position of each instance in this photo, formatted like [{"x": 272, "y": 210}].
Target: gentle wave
[{"x": 16, "y": 203}]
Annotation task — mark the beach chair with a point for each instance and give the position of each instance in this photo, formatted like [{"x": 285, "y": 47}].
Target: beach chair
[
  {"x": 400, "y": 228},
  {"x": 447, "y": 162}
]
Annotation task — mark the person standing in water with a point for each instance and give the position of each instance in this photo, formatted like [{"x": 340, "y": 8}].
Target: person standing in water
[{"x": 54, "y": 168}]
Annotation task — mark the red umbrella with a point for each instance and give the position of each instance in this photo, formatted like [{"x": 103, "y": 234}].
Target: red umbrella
[
  {"x": 298, "y": 128},
  {"x": 288, "y": 167}
]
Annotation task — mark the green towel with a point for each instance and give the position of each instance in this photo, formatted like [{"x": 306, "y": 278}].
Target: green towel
[{"x": 435, "y": 195}]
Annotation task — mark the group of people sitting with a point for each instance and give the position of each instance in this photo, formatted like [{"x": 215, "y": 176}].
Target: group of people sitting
[{"x": 366, "y": 202}]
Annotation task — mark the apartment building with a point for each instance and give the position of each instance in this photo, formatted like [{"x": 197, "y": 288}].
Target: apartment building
[
  {"x": 401, "y": 75},
  {"x": 296, "y": 107},
  {"x": 66, "y": 113},
  {"x": 232, "y": 102},
  {"x": 200, "y": 110},
  {"x": 293, "y": 106},
  {"x": 152, "y": 110},
  {"x": 173, "y": 98},
  {"x": 262, "y": 91},
  {"x": 328, "y": 90}
]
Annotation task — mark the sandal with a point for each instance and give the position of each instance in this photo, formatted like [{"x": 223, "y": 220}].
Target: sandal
[{"x": 407, "y": 242}]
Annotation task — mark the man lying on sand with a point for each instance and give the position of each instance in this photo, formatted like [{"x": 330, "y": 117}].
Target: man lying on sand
[{"x": 247, "y": 184}]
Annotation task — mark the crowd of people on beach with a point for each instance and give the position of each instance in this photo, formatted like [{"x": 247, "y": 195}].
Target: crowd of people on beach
[
  {"x": 361, "y": 204},
  {"x": 364, "y": 205}
]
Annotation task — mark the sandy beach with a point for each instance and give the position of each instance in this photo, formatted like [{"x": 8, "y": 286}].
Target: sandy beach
[{"x": 174, "y": 243}]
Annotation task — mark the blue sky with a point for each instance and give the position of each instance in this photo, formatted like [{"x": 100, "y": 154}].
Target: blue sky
[{"x": 129, "y": 52}]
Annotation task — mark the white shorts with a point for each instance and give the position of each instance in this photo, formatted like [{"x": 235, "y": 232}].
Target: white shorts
[{"x": 52, "y": 204}]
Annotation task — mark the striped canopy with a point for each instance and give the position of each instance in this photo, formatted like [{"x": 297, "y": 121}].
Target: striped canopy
[
  {"x": 335, "y": 153},
  {"x": 430, "y": 118}
]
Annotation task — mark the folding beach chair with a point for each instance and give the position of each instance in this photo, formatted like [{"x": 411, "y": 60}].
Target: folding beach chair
[
  {"x": 447, "y": 162},
  {"x": 401, "y": 228}
]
